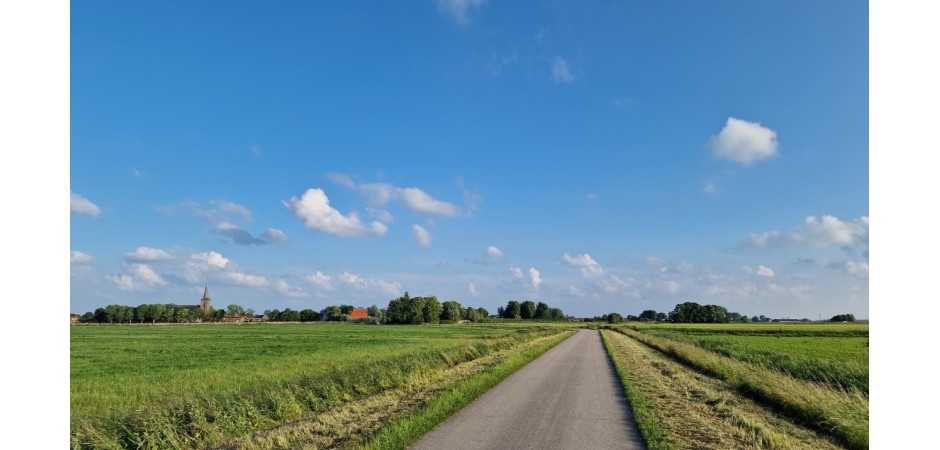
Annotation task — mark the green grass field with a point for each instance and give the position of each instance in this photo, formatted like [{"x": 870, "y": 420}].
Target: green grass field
[
  {"x": 816, "y": 375},
  {"x": 194, "y": 386}
]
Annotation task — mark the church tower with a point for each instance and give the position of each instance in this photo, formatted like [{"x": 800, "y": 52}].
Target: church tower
[{"x": 206, "y": 303}]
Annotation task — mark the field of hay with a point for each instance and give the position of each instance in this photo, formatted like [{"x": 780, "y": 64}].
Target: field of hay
[{"x": 746, "y": 386}]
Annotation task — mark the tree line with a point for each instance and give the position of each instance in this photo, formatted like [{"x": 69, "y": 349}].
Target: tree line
[{"x": 691, "y": 312}]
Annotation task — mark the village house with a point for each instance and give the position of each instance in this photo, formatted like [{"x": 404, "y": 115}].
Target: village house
[{"x": 359, "y": 313}]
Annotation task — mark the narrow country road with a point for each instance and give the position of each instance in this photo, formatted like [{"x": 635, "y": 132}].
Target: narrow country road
[{"x": 568, "y": 398}]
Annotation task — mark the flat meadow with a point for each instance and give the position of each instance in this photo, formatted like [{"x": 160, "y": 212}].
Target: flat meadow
[
  {"x": 730, "y": 385},
  {"x": 199, "y": 386}
]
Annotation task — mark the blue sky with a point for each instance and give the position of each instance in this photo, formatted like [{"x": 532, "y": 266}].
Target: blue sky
[{"x": 598, "y": 156}]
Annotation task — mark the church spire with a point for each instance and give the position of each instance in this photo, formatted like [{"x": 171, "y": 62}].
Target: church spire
[{"x": 205, "y": 295}]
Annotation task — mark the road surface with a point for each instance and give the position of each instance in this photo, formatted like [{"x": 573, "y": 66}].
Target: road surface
[{"x": 568, "y": 398}]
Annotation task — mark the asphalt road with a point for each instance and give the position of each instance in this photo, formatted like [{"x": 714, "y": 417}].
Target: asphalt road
[{"x": 568, "y": 398}]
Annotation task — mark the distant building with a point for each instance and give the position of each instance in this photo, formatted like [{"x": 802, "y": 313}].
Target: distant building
[
  {"x": 259, "y": 318},
  {"x": 234, "y": 319},
  {"x": 206, "y": 303},
  {"x": 359, "y": 313},
  {"x": 75, "y": 319}
]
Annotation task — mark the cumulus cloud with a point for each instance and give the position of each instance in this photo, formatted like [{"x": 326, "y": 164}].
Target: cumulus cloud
[
  {"x": 459, "y": 10},
  {"x": 472, "y": 288},
  {"x": 275, "y": 236},
  {"x": 358, "y": 282},
  {"x": 492, "y": 255},
  {"x": 83, "y": 206},
  {"x": 147, "y": 254},
  {"x": 744, "y": 142},
  {"x": 830, "y": 231},
  {"x": 535, "y": 278},
  {"x": 588, "y": 266},
  {"x": 761, "y": 271},
  {"x": 594, "y": 275},
  {"x": 827, "y": 231},
  {"x": 321, "y": 281},
  {"x": 141, "y": 277},
  {"x": 77, "y": 257},
  {"x": 422, "y": 236},
  {"x": 243, "y": 237},
  {"x": 204, "y": 266},
  {"x": 763, "y": 240},
  {"x": 857, "y": 268},
  {"x": 315, "y": 210},
  {"x": 516, "y": 272},
  {"x": 287, "y": 290},
  {"x": 215, "y": 211},
  {"x": 561, "y": 71},
  {"x": 412, "y": 198}
]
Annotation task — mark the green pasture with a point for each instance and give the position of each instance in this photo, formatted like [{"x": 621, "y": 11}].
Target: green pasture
[
  {"x": 114, "y": 369},
  {"x": 835, "y": 354}
]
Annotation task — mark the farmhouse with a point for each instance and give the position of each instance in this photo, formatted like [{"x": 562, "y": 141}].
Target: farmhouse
[{"x": 359, "y": 313}]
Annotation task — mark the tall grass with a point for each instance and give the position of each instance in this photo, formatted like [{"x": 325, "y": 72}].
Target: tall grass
[
  {"x": 840, "y": 413},
  {"x": 281, "y": 373}
]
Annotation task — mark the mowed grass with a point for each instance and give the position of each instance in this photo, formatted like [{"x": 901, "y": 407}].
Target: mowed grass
[
  {"x": 738, "y": 357},
  {"x": 834, "y": 354},
  {"x": 194, "y": 386}
]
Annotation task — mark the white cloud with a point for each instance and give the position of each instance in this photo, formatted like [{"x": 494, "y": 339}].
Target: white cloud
[
  {"x": 358, "y": 282},
  {"x": 147, "y": 254},
  {"x": 380, "y": 214},
  {"x": 77, "y": 257},
  {"x": 763, "y": 240},
  {"x": 575, "y": 291},
  {"x": 81, "y": 205},
  {"x": 857, "y": 268},
  {"x": 213, "y": 260},
  {"x": 420, "y": 202},
  {"x": 472, "y": 288},
  {"x": 744, "y": 142},
  {"x": 216, "y": 211},
  {"x": 141, "y": 278},
  {"x": 315, "y": 210},
  {"x": 493, "y": 255},
  {"x": 422, "y": 236},
  {"x": 245, "y": 279},
  {"x": 287, "y": 290},
  {"x": 321, "y": 281},
  {"x": 274, "y": 235},
  {"x": 516, "y": 272},
  {"x": 342, "y": 180},
  {"x": 561, "y": 71},
  {"x": 227, "y": 207},
  {"x": 535, "y": 277},
  {"x": 765, "y": 271},
  {"x": 830, "y": 231},
  {"x": 459, "y": 10},
  {"x": 412, "y": 198},
  {"x": 588, "y": 266}
]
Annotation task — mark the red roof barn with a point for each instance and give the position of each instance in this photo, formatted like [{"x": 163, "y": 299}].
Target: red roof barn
[{"x": 359, "y": 313}]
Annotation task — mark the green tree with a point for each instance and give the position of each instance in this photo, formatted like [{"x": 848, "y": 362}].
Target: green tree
[
  {"x": 614, "y": 318},
  {"x": 542, "y": 311},
  {"x": 482, "y": 313},
  {"x": 431, "y": 310},
  {"x": 451, "y": 310},
  {"x": 157, "y": 313},
  {"x": 556, "y": 314},
  {"x": 648, "y": 315},
  {"x": 289, "y": 315},
  {"x": 234, "y": 311},
  {"x": 513, "y": 310},
  {"x": 142, "y": 312},
  {"x": 528, "y": 310},
  {"x": 182, "y": 315}
]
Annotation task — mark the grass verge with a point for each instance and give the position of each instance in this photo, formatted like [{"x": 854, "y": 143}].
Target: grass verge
[
  {"x": 644, "y": 413},
  {"x": 840, "y": 414},
  {"x": 692, "y": 410}
]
